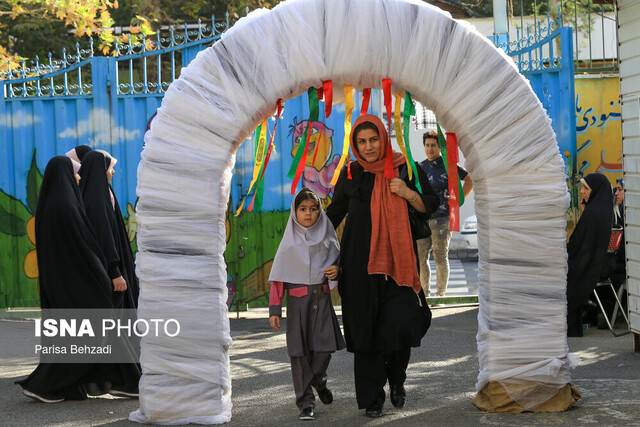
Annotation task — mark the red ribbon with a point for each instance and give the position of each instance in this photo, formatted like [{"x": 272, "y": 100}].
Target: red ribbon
[
  {"x": 388, "y": 166},
  {"x": 327, "y": 87},
  {"x": 366, "y": 95},
  {"x": 454, "y": 194}
]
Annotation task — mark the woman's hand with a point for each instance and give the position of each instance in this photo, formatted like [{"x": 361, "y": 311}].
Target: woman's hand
[
  {"x": 332, "y": 272},
  {"x": 119, "y": 284},
  {"x": 275, "y": 322},
  {"x": 399, "y": 188}
]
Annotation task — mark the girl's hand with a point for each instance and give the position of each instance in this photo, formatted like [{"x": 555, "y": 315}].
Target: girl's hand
[
  {"x": 275, "y": 322},
  {"x": 332, "y": 272},
  {"x": 399, "y": 188}
]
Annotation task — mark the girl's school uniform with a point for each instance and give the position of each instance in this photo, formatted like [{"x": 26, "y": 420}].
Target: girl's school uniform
[{"x": 313, "y": 331}]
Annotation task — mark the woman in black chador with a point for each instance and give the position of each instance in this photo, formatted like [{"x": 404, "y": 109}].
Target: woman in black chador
[
  {"x": 379, "y": 282},
  {"x": 72, "y": 274},
  {"x": 106, "y": 218},
  {"x": 587, "y": 247}
]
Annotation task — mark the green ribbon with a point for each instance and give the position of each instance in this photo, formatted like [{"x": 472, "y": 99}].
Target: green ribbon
[
  {"x": 409, "y": 110},
  {"x": 314, "y": 113}
]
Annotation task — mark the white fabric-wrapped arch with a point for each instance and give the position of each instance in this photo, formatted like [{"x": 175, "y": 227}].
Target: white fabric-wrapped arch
[{"x": 476, "y": 91}]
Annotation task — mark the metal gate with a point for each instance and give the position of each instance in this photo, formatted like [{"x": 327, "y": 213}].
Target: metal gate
[{"x": 545, "y": 57}]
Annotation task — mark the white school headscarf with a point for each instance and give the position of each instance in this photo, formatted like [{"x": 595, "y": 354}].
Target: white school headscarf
[{"x": 304, "y": 253}]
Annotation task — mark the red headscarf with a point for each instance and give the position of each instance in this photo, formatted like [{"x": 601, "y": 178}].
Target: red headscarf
[{"x": 391, "y": 250}]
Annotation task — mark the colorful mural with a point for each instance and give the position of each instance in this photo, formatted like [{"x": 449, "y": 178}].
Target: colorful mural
[
  {"x": 599, "y": 133},
  {"x": 320, "y": 164},
  {"x": 18, "y": 263},
  {"x": 599, "y": 127},
  {"x": 253, "y": 237}
]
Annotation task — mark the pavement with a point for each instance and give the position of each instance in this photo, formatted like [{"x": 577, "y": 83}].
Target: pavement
[{"x": 440, "y": 384}]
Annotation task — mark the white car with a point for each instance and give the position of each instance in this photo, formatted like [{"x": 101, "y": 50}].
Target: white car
[{"x": 468, "y": 239}]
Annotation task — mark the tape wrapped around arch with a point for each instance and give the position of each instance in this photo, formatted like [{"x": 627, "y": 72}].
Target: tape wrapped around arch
[{"x": 475, "y": 90}]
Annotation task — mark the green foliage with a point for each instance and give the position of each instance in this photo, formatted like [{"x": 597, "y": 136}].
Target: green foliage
[
  {"x": 16, "y": 289},
  {"x": 13, "y": 216}
]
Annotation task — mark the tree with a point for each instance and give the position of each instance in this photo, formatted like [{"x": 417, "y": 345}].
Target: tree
[
  {"x": 30, "y": 28},
  {"x": 28, "y": 24}
]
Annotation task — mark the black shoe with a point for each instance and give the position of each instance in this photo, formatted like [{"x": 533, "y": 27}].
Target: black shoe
[
  {"x": 398, "y": 396},
  {"x": 44, "y": 397},
  {"x": 374, "y": 411},
  {"x": 306, "y": 414},
  {"x": 325, "y": 396}
]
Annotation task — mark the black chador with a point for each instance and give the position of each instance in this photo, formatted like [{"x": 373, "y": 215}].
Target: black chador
[
  {"x": 72, "y": 274},
  {"x": 106, "y": 219},
  {"x": 587, "y": 249}
]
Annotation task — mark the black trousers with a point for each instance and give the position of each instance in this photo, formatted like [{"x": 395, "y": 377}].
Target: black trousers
[{"x": 372, "y": 370}]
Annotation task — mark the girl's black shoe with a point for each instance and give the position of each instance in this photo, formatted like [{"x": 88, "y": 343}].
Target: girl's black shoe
[{"x": 306, "y": 414}]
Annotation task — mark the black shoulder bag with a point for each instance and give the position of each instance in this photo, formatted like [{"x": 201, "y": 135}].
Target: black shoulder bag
[{"x": 419, "y": 221}]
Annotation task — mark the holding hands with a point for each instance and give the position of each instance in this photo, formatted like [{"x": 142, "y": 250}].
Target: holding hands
[{"x": 332, "y": 272}]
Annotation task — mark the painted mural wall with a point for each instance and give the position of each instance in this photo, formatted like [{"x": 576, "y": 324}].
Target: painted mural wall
[
  {"x": 598, "y": 130},
  {"x": 252, "y": 237}
]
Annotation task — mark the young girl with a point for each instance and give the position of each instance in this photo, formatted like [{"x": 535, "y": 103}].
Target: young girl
[{"x": 305, "y": 259}]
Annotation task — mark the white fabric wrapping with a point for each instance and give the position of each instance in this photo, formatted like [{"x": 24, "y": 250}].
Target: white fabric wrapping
[{"x": 475, "y": 90}]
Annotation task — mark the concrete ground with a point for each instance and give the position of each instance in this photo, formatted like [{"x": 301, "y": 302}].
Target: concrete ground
[{"x": 440, "y": 383}]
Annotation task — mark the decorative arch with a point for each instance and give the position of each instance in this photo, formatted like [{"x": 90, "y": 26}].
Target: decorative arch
[{"x": 506, "y": 137}]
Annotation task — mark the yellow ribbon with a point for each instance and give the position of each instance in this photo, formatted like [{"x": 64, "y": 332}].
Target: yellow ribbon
[
  {"x": 262, "y": 139},
  {"x": 398, "y": 125},
  {"x": 348, "y": 109}
]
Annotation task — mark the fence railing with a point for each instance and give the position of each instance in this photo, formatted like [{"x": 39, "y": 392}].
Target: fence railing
[
  {"x": 594, "y": 29},
  {"x": 534, "y": 50},
  {"x": 146, "y": 67}
]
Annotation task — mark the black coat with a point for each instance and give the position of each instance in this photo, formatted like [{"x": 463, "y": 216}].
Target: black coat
[{"x": 377, "y": 314}]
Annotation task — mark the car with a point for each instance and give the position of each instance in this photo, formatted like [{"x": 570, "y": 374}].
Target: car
[{"x": 467, "y": 241}]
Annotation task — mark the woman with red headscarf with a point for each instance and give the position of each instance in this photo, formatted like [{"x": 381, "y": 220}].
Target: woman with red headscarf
[{"x": 379, "y": 282}]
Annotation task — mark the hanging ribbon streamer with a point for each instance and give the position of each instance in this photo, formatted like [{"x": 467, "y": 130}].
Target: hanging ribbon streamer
[
  {"x": 327, "y": 88},
  {"x": 397, "y": 122},
  {"x": 327, "y": 91},
  {"x": 266, "y": 160},
  {"x": 442, "y": 142},
  {"x": 348, "y": 109},
  {"x": 261, "y": 137},
  {"x": 388, "y": 165},
  {"x": 366, "y": 95},
  {"x": 454, "y": 182},
  {"x": 450, "y": 144},
  {"x": 300, "y": 160},
  {"x": 410, "y": 110}
]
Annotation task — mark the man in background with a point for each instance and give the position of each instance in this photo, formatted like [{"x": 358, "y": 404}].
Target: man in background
[{"x": 439, "y": 221}]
